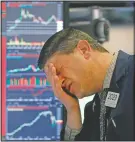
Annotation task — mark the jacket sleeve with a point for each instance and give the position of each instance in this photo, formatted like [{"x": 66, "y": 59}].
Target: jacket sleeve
[
  {"x": 82, "y": 134},
  {"x": 90, "y": 129},
  {"x": 127, "y": 132}
]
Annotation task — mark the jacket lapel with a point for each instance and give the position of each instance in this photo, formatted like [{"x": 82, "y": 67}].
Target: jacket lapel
[{"x": 119, "y": 73}]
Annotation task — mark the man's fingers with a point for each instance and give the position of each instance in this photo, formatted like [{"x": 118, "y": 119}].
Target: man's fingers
[
  {"x": 59, "y": 93},
  {"x": 57, "y": 86},
  {"x": 50, "y": 66},
  {"x": 54, "y": 79},
  {"x": 53, "y": 69},
  {"x": 48, "y": 71},
  {"x": 52, "y": 74}
]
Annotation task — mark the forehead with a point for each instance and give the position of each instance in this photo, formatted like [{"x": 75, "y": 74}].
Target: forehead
[{"x": 58, "y": 60}]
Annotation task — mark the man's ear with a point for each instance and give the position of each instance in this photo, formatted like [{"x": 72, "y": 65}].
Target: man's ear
[{"x": 84, "y": 48}]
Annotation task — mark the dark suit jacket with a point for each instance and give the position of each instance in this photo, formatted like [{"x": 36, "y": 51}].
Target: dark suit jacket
[{"x": 122, "y": 82}]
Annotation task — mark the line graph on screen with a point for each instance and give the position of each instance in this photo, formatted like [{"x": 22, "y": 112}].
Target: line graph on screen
[
  {"x": 36, "y": 119},
  {"x": 27, "y": 22},
  {"x": 25, "y": 14},
  {"x": 28, "y": 68}
]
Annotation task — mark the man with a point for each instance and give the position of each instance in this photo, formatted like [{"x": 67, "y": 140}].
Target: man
[{"x": 77, "y": 66}]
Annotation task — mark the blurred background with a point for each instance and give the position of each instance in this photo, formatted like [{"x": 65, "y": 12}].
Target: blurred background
[{"x": 29, "y": 109}]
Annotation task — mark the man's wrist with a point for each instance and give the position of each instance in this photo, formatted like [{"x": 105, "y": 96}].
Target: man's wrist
[{"x": 74, "y": 109}]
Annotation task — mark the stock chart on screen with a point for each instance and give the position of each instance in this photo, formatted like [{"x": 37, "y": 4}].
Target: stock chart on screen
[{"x": 30, "y": 111}]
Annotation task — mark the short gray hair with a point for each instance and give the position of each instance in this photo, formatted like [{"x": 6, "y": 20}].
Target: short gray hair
[{"x": 65, "y": 41}]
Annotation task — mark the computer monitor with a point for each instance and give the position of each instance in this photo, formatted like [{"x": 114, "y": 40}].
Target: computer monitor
[{"x": 30, "y": 111}]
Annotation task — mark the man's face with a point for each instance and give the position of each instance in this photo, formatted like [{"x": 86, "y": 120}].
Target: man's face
[{"x": 75, "y": 71}]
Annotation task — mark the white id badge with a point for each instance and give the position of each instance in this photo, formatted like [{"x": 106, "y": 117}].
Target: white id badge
[{"x": 112, "y": 99}]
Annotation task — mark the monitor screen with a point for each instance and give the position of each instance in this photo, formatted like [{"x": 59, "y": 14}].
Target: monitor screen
[{"x": 30, "y": 111}]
